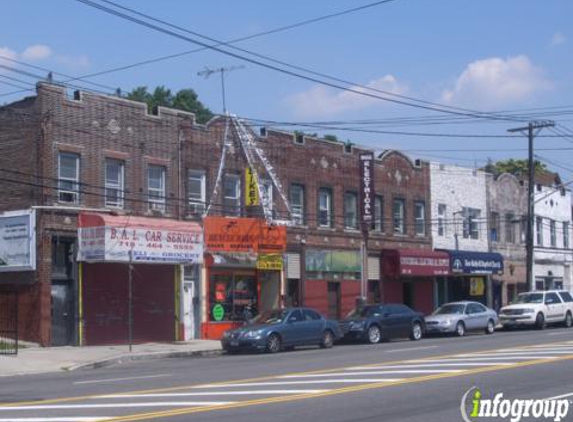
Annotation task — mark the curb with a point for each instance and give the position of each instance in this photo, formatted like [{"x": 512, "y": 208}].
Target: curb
[{"x": 118, "y": 360}]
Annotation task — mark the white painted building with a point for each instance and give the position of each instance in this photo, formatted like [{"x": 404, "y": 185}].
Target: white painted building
[
  {"x": 458, "y": 208},
  {"x": 553, "y": 258}
]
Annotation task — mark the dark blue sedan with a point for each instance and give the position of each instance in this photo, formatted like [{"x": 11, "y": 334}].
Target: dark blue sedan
[{"x": 275, "y": 330}]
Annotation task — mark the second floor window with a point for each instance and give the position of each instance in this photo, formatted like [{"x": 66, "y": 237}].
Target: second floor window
[
  {"x": 196, "y": 191},
  {"x": 471, "y": 223},
  {"x": 267, "y": 190},
  {"x": 539, "y": 230},
  {"x": 553, "y": 233},
  {"x": 398, "y": 216},
  {"x": 114, "y": 183},
  {"x": 297, "y": 204},
  {"x": 350, "y": 210},
  {"x": 441, "y": 220},
  {"x": 494, "y": 226},
  {"x": 69, "y": 178},
  {"x": 420, "y": 218},
  {"x": 378, "y": 222},
  {"x": 324, "y": 207},
  {"x": 156, "y": 188},
  {"x": 565, "y": 235},
  {"x": 509, "y": 228},
  {"x": 232, "y": 195}
]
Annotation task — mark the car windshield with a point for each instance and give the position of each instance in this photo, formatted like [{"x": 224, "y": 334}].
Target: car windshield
[
  {"x": 449, "y": 309},
  {"x": 363, "y": 312},
  {"x": 271, "y": 317},
  {"x": 529, "y": 298}
]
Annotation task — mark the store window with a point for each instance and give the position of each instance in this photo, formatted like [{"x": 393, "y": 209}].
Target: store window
[{"x": 232, "y": 297}]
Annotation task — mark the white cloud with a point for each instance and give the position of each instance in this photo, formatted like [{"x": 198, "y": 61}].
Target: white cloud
[
  {"x": 37, "y": 52},
  {"x": 321, "y": 101},
  {"x": 81, "y": 61},
  {"x": 558, "y": 39},
  {"x": 496, "y": 82}
]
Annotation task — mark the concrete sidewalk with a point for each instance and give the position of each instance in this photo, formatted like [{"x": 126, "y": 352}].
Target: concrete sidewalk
[{"x": 33, "y": 359}]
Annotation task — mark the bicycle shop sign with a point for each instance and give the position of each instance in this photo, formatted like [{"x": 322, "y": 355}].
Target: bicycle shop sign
[
  {"x": 223, "y": 234},
  {"x": 114, "y": 239}
]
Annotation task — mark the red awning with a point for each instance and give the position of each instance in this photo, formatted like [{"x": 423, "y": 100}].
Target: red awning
[
  {"x": 398, "y": 263},
  {"x": 130, "y": 222}
]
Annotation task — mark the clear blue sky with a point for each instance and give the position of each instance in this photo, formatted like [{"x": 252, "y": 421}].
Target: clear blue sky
[{"x": 481, "y": 54}]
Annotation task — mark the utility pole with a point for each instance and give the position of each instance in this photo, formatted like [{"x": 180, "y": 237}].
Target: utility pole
[
  {"x": 130, "y": 301},
  {"x": 533, "y": 128},
  {"x": 208, "y": 72}
]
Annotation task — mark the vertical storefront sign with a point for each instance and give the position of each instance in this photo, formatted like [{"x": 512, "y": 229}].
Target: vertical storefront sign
[
  {"x": 18, "y": 241},
  {"x": 251, "y": 188},
  {"x": 367, "y": 189}
]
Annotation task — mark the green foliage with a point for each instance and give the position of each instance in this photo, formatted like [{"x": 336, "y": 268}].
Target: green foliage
[
  {"x": 332, "y": 138},
  {"x": 514, "y": 167},
  {"x": 185, "y": 99}
]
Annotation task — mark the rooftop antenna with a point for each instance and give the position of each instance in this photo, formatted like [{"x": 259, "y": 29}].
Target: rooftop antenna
[{"x": 208, "y": 72}]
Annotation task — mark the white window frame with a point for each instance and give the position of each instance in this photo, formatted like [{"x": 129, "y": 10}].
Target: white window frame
[
  {"x": 553, "y": 233},
  {"x": 156, "y": 196},
  {"x": 442, "y": 209},
  {"x": 297, "y": 207},
  {"x": 539, "y": 230},
  {"x": 378, "y": 222},
  {"x": 471, "y": 223},
  {"x": 350, "y": 213},
  {"x": 267, "y": 190},
  {"x": 420, "y": 220},
  {"x": 197, "y": 202},
  {"x": 74, "y": 192},
  {"x": 565, "y": 235},
  {"x": 399, "y": 219},
  {"x": 118, "y": 187},
  {"x": 327, "y": 208},
  {"x": 236, "y": 198}
]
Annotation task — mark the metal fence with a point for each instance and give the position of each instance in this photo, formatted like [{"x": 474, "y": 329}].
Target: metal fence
[{"x": 8, "y": 323}]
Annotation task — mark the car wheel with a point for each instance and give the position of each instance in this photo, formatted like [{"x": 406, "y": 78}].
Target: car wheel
[
  {"x": 460, "y": 329},
  {"x": 540, "y": 321},
  {"x": 416, "y": 331},
  {"x": 327, "y": 339},
  {"x": 568, "y": 320},
  {"x": 374, "y": 335},
  {"x": 490, "y": 328},
  {"x": 274, "y": 343}
]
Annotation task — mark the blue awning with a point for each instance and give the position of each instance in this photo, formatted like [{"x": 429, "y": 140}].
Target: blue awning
[{"x": 468, "y": 262}]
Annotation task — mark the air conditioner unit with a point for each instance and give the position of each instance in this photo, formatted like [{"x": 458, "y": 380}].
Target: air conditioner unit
[{"x": 68, "y": 197}]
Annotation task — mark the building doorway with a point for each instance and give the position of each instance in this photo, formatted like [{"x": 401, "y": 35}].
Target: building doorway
[{"x": 334, "y": 301}]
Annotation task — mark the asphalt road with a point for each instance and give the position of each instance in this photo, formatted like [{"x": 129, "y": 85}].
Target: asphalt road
[{"x": 396, "y": 381}]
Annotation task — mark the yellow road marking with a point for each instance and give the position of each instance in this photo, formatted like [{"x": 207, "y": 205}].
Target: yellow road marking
[
  {"x": 269, "y": 377},
  {"x": 338, "y": 391}
]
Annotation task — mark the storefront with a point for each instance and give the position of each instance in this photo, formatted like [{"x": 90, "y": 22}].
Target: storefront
[
  {"x": 409, "y": 276},
  {"x": 332, "y": 281},
  {"x": 470, "y": 277},
  {"x": 131, "y": 272},
  {"x": 243, "y": 271}
]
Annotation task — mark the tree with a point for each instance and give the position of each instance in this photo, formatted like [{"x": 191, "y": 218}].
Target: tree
[
  {"x": 185, "y": 99},
  {"x": 514, "y": 167}
]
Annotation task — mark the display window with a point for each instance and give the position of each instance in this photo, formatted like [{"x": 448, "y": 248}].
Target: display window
[{"x": 232, "y": 296}]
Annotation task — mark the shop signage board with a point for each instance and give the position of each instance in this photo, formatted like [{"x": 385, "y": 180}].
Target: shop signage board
[
  {"x": 112, "y": 239},
  {"x": 270, "y": 262},
  {"x": 218, "y": 312},
  {"x": 18, "y": 241},
  {"x": 367, "y": 189},
  {"x": 251, "y": 188},
  {"x": 467, "y": 262},
  {"x": 223, "y": 234}
]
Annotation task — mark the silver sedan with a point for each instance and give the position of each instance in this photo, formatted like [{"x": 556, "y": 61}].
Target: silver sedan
[{"x": 461, "y": 317}]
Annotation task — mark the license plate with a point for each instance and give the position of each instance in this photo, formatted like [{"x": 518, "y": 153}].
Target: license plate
[{"x": 234, "y": 343}]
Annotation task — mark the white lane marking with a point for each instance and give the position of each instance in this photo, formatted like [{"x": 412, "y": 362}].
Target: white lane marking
[
  {"x": 542, "y": 346},
  {"x": 413, "y": 348},
  {"x": 511, "y": 354},
  {"x": 484, "y": 358},
  {"x": 123, "y": 379},
  {"x": 402, "y": 371},
  {"x": 534, "y": 350},
  {"x": 430, "y": 365},
  {"x": 60, "y": 419},
  {"x": 562, "y": 333},
  {"x": 211, "y": 393},
  {"x": 335, "y": 381},
  {"x": 114, "y": 405},
  {"x": 562, "y": 396}
]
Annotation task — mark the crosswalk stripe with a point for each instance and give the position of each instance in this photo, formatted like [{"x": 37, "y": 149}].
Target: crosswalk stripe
[
  {"x": 401, "y": 371},
  {"x": 429, "y": 365},
  {"x": 334, "y": 381},
  {"x": 526, "y": 352},
  {"x": 60, "y": 419},
  {"x": 116, "y": 405},
  {"x": 211, "y": 393},
  {"x": 485, "y": 358}
]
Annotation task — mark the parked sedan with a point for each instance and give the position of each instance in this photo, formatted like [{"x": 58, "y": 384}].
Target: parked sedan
[
  {"x": 372, "y": 323},
  {"x": 282, "y": 328},
  {"x": 461, "y": 317}
]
